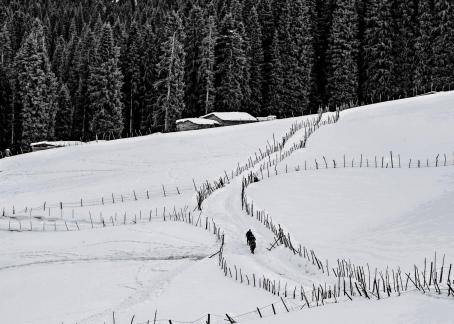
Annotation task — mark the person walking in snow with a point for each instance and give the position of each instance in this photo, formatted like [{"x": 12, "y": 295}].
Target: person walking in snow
[{"x": 250, "y": 238}]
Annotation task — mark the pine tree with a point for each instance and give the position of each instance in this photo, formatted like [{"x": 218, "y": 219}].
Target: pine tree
[
  {"x": 303, "y": 45},
  {"x": 6, "y": 116},
  {"x": 207, "y": 64},
  {"x": 133, "y": 75},
  {"x": 295, "y": 50},
  {"x": 171, "y": 73},
  {"x": 443, "y": 77},
  {"x": 321, "y": 20},
  {"x": 150, "y": 58},
  {"x": 276, "y": 85},
  {"x": 64, "y": 116},
  {"x": 58, "y": 58},
  {"x": 193, "y": 47},
  {"x": 86, "y": 56},
  {"x": 36, "y": 89},
  {"x": 342, "y": 77},
  {"x": 230, "y": 64},
  {"x": 404, "y": 39},
  {"x": 104, "y": 88},
  {"x": 267, "y": 28},
  {"x": 378, "y": 51},
  {"x": 424, "y": 55},
  {"x": 256, "y": 60}
]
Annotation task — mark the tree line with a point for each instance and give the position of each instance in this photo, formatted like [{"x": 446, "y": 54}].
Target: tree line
[{"x": 75, "y": 70}]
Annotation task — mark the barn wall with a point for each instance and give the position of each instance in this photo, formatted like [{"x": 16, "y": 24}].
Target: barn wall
[{"x": 187, "y": 126}]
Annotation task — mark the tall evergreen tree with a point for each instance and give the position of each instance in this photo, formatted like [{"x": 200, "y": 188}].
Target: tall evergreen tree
[
  {"x": 443, "y": 77},
  {"x": 303, "y": 45},
  {"x": 64, "y": 116},
  {"x": 424, "y": 55},
  {"x": 321, "y": 19},
  {"x": 86, "y": 57},
  {"x": 266, "y": 18},
  {"x": 58, "y": 58},
  {"x": 207, "y": 64},
  {"x": 404, "y": 39},
  {"x": 6, "y": 116},
  {"x": 276, "y": 84},
  {"x": 133, "y": 76},
  {"x": 342, "y": 76},
  {"x": 378, "y": 51},
  {"x": 256, "y": 60},
  {"x": 36, "y": 89},
  {"x": 150, "y": 57},
  {"x": 171, "y": 73},
  {"x": 104, "y": 88},
  {"x": 193, "y": 47},
  {"x": 230, "y": 63}
]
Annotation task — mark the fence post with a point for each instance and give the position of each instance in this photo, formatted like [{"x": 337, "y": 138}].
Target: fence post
[{"x": 284, "y": 305}]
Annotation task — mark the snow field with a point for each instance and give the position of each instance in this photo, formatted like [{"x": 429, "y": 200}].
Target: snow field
[{"x": 66, "y": 174}]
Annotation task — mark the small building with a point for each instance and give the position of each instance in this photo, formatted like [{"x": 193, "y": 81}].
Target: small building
[
  {"x": 268, "y": 118},
  {"x": 46, "y": 145},
  {"x": 231, "y": 118},
  {"x": 195, "y": 123}
]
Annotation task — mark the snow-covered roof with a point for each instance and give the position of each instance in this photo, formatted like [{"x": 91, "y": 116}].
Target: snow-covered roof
[
  {"x": 198, "y": 121},
  {"x": 57, "y": 143},
  {"x": 232, "y": 116}
]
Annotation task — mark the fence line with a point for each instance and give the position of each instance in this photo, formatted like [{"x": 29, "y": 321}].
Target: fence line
[{"x": 359, "y": 281}]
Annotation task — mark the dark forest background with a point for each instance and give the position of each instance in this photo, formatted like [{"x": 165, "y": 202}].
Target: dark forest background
[{"x": 75, "y": 70}]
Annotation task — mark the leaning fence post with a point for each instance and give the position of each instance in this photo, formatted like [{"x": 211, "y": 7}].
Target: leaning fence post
[
  {"x": 230, "y": 319},
  {"x": 284, "y": 304}
]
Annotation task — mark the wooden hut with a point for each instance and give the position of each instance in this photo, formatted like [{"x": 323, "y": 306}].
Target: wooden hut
[
  {"x": 230, "y": 118},
  {"x": 195, "y": 123}
]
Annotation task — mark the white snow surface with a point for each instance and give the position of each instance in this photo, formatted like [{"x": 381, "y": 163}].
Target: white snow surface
[{"x": 383, "y": 217}]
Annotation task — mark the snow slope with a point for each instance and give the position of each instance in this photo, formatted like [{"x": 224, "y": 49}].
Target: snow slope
[
  {"x": 384, "y": 217},
  {"x": 86, "y": 275}
]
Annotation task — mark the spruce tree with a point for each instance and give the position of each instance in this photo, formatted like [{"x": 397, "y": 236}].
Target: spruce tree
[
  {"x": 303, "y": 46},
  {"x": 404, "y": 39},
  {"x": 36, "y": 88},
  {"x": 6, "y": 116},
  {"x": 193, "y": 47},
  {"x": 133, "y": 76},
  {"x": 104, "y": 88},
  {"x": 342, "y": 76},
  {"x": 86, "y": 58},
  {"x": 230, "y": 67},
  {"x": 276, "y": 85},
  {"x": 256, "y": 61},
  {"x": 149, "y": 94},
  {"x": 266, "y": 18},
  {"x": 207, "y": 64},
  {"x": 64, "y": 116},
  {"x": 378, "y": 51},
  {"x": 443, "y": 76},
  {"x": 424, "y": 55},
  {"x": 170, "y": 69}
]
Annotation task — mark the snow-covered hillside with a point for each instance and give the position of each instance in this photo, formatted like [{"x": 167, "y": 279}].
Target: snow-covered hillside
[{"x": 133, "y": 263}]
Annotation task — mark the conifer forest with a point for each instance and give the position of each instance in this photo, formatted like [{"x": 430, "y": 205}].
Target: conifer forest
[{"x": 81, "y": 69}]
